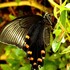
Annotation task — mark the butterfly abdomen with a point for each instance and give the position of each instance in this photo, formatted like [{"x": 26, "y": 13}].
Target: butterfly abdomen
[{"x": 36, "y": 50}]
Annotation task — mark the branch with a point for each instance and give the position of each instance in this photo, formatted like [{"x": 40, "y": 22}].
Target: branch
[
  {"x": 1, "y": 24},
  {"x": 54, "y": 3},
  {"x": 28, "y": 3}
]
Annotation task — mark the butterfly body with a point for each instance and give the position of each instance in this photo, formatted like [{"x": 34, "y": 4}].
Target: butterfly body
[{"x": 30, "y": 33}]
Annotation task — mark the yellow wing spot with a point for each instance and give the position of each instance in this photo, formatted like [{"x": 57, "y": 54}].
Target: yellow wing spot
[
  {"x": 29, "y": 52},
  {"x": 27, "y": 46},
  {"x": 43, "y": 57},
  {"x": 31, "y": 58},
  {"x": 39, "y": 60},
  {"x": 42, "y": 52},
  {"x": 39, "y": 66},
  {"x": 27, "y": 36},
  {"x": 34, "y": 63}
]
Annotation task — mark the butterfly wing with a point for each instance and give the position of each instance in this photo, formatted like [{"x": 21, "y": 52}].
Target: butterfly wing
[
  {"x": 29, "y": 33},
  {"x": 16, "y": 30}
]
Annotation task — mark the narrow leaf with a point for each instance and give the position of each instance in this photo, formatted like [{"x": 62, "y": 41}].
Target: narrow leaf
[
  {"x": 56, "y": 45},
  {"x": 6, "y": 67},
  {"x": 63, "y": 17},
  {"x": 67, "y": 50},
  {"x": 26, "y": 67},
  {"x": 49, "y": 65},
  {"x": 68, "y": 6}
]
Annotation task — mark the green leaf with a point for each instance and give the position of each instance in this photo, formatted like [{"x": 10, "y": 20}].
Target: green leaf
[
  {"x": 63, "y": 40},
  {"x": 49, "y": 65},
  {"x": 63, "y": 17},
  {"x": 57, "y": 32},
  {"x": 55, "y": 13},
  {"x": 26, "y": 67},
  {"x": 15, "y": 52},
  {"x": 12, "y": 17},
  {"x": 67, "y": 50},
  {"x": 19, "y": 52},
  {"x": 42, "y": 68},
  {"x": 6, "y": 67},
  {"x": 62, "y": 65},
  {"x": 13, "y": 61},
  {"x": 56, "y": 44},
  {"x": 68, "y": 6},
  {"x": 7, "y": 49}
]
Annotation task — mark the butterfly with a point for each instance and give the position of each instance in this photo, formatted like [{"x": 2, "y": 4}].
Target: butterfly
[{"x": 30, "y": 33}]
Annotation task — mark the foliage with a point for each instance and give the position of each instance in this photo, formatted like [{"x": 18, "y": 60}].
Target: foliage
[
  {"x": 12, "y": 17},
  {"x": 58, "y": 57},
  {"x": 16, "y": 59},
  {"x": 62, "y": 27}
]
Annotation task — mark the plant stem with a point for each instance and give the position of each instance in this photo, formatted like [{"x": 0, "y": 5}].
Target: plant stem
[
  {"x": 54, "y": 4},
  {"x": 28, "y": 3}
]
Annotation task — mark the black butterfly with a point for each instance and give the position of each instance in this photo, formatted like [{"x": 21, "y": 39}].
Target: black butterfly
[{"x": 31, "y": 33}]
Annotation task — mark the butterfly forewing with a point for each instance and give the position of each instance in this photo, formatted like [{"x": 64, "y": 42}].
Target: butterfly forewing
[{"x": 16, "y": 30}]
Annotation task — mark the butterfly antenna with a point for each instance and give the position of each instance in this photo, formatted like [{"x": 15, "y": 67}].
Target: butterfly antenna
[{"x": 47, "y": 16}]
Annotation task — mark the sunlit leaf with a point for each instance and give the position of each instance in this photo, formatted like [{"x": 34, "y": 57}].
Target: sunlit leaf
[
  {"x": 14, "y": 63},
  {"x": 6, "y": 67},
  {"x": 68, "y": 29},
  {"x": 67, "y": 56},
  {"x": 68, "y": 6},
  {"x": 56, "y": 44},
  {"x": 54, "y": 56},
  {"x": 26, "y": 67},
  {"x": 63, "y": 40},
  {"x": 67, "y": 50},
  {"x": 65, "y": 1},
  {"x": 62, "y": 64},
  {"x": 63, "y": 17},
  {"x": 9, "y": 47},
  {"x": 68, "y": 66},
  {"x": 57, "y": 32},
  {"x": 55, "y": 13},
  {"x": 19, "y": 52},
  {"x": 42, "y": 68},
  {"x": 12, "y": 17},
  {"x": 49, "y": 65}
]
